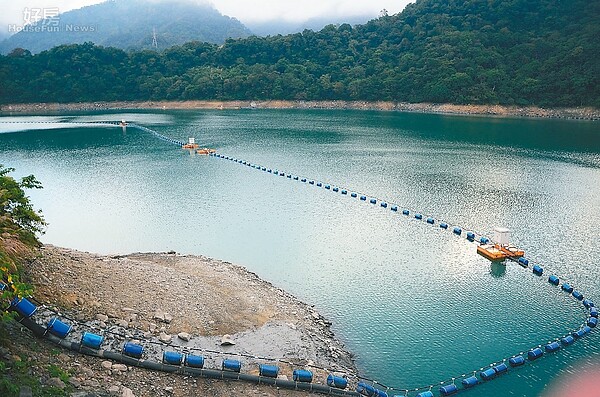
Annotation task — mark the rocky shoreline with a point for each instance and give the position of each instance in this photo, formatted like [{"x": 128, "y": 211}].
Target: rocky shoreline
[
  {"x": 181, "y": 301},
  {"x": 576, "y": 113}
]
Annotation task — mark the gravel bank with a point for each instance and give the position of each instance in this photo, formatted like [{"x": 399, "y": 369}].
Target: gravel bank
[
  {"x": 181, "y": 300},
  {"x": 578, "y": 113}
]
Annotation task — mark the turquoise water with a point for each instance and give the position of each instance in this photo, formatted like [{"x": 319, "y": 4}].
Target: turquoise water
[{"x": 416, "y": 304}]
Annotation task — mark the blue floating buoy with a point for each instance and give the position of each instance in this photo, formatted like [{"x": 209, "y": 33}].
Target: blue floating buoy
[
  {"x": 418, "y": 216},
  {"x": 311, "y": 182},
  {"x": 394, "y": 208},
  {"x": 133, "y": 350},
  {"x": 577, "y": 295},
  {"x": 487, "y": 374},
  {"x": 24, "y": 307},
  {"x": 592, "y": 322},
  {"x": 430, "y": 220},
  {"x": 470, "y": 236},
  {"x": 538, "y": 270},
  {"x": 554, "y": 280},
  {"x": 194, "y": 361},
  {"x": 500, "y": 368},
  {"x": 586, "y": 329},
  {"x": 567, "y": 288},
  {"x": 269, "y": 170},
  {"x": 303, "y": 180},
  {"x": 470, "y": 382},
  {"x": 319, "y": 184},
  {"x": 448, "y": 390},
  {"x": 363, "y": 198},
  {"x": 58, "y": 328},
  {"x": 337, "y": 381},
  {"x": 593, "y": 312},
  {"x": 534, "y": 354},
  {"x": 384, "y": 204},
  {"x": 353, "y": 195},
  {"x": 484, "y": 240},
  {"x": 289, "y": 176},
  {"x": 523, "y": 262},
  {"x": 295, "y": 178},
  {"x": 172, "y": 358},
  {"x": 444, "y": 225},
  {"x": 231, "y": 365},
  {"x": 588, "y": 303},
  {"x": 578, "y": 334},
  {"x": 405, "y": 212},
  {"x": 425, "y": 394},
  {"x": 264, "y": 168},
  {"x": 552, "y": 347},
  {"x": 516, "y": 361},
  {"x": 282, "y": 174},
  {"x": 91, "y": 340},
  {"x": 327, "y": 187},
  {"x": 335, "y": 189},
  {"x": 270, "y": 371},
  {"x": 344, "y": 192},
  {"x": 567, "y": 340},
  {"x": 302, "y": 375},
  {"x": 366, "y": 389},
  {"x": 373, "y": 201},
  {"x": 457, "y": 230}
]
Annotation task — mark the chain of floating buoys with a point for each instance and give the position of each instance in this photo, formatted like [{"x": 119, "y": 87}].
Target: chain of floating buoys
[{"x": 448, "y": 386}]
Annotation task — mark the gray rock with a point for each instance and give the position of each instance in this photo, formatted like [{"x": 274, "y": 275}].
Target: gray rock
[
  {"x": 74, "y": 382},
  {"x": 169, "y": 389},
  {"x": 165, "y": 338},
  {"x": 102, "y": 317},
  {"x": 122, "y": 323},
  {"x": 184, "y": 336},
  {"x": 107, "y": 364},
  {"x": 119, "y": 367},
  {"x": 114, "y": 390},
  {"x": 227, "y": 341},
  {"x": 55, "y": 382},
  {"x": 159, "y": 315},
  {"x": 168, "y": 318},
  {"x": 127, "y": 392}
]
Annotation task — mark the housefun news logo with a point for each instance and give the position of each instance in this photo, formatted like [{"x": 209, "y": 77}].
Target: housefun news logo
[{"x": 47, "y": 19}]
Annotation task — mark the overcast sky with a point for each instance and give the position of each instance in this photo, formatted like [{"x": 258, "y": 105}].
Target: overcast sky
[{"x": 244, "y": 10}]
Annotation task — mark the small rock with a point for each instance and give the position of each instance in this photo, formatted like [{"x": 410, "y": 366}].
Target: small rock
[
  {"x": 63, "y": 357},
  {"x": 168, "y": 318},
  {"x": 74, "y": 382},
  {"x": 114, "y": 390},
  {"x": 169, "y": 389},
  {"x": 55, "y": 382},
  {"x": 102, "y": 317},
  {"x": 184, "y": 336},
  {"x": 127, "y": 392},
  {"x": 227, "y": 341},
  {"x": 107, "y": 364},
  {"x": 159, "y": 315},
  {"x": 119, "y": 367},
  {"x": 165, "y": 338},
  {"x": 122, "y": 323}
]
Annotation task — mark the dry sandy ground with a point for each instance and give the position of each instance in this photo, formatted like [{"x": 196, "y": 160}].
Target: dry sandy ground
[{"x": 206, "y": 298}]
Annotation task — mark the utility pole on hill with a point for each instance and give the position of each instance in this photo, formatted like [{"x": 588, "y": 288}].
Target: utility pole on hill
[{"x": 154, "y": 41}]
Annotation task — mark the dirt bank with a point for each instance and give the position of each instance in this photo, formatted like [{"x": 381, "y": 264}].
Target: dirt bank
[
  {"x": 182, "y": 300},
  {"x": 584, "y": 113}
]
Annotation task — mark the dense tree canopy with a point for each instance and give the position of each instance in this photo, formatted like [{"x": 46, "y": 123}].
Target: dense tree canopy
[{"x": 523, "y": 52}]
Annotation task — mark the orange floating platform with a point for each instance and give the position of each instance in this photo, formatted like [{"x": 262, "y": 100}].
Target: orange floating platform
[
  {"x": 497, "y": 252},
  {"x": 205, "y": 151}
]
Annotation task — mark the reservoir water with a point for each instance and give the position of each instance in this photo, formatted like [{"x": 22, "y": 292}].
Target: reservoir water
[{"x": 416, "y": 304}]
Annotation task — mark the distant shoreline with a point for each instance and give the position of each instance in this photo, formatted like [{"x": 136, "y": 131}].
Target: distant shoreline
[{"x": 577, "y": 113}]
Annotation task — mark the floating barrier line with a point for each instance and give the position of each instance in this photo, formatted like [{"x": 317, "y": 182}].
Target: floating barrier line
[{"x": 499, "y": 367}]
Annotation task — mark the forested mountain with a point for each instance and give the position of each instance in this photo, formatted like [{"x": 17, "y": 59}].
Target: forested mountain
[
  {"x": 543, "y": 52},
  {"x": 130, "y": 24}
]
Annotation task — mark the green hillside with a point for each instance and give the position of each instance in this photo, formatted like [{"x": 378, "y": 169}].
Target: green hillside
[
  {"x": 130, "y": 24},
  {"x": 524, "y": 52}
]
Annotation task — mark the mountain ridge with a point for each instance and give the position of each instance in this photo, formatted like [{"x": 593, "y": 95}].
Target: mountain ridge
[{"x": 130, "y": 24}]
